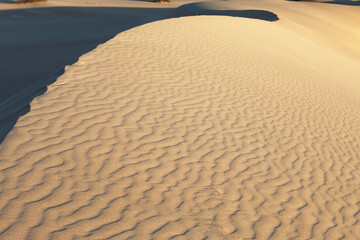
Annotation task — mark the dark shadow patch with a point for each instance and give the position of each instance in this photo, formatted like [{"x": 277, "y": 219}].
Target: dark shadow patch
[
  {"x": 7, "y": 1},
  {"x": 188, "y": 10},
  {"x": 345, "y": 2}
]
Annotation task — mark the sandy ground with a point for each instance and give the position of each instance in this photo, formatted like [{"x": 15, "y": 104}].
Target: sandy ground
[
  {"x": 239, "y": 126},
  {"x": 38, "y": 40}
]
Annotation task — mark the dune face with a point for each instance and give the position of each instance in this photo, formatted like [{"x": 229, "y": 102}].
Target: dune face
[
  {"x": 38, "y": 40},
  {"x": 332, "y": 23},
  {"x": 207, "y": 127}
]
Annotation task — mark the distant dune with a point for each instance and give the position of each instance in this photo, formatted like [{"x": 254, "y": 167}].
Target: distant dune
[{"x": 199, "y": 127}]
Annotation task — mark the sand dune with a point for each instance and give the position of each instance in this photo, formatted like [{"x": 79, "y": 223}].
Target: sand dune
[
  {"x": 38, "y": 40},
  {"x": 327, "y": 23},
  {"x": 200, "y": 127}
]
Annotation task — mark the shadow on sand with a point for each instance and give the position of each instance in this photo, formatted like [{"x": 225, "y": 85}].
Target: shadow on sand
[
  {"x": 254, "y": 14},
  {"x": 346, "y": 2},
  {"x": 37, "y": 43},
  {"x": 340, "y": 2}
]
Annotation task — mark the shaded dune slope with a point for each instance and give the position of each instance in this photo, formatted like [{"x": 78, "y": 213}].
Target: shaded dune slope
[
  {"x": 55, "y": 36},
  {"x": 195, "y": 9},
  {"x": 206, "y": 127}
]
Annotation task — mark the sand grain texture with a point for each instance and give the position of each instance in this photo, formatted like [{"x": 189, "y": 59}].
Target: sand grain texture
[{"x": 206, "y": 127}]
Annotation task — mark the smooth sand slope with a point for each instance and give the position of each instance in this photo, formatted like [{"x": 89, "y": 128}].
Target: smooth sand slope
[
  {"x": 335, "y": 24},
  {"x": 201, "y": 127}
]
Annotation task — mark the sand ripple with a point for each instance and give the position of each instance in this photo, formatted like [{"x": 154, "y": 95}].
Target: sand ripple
[{"x": 190, "y": 128}]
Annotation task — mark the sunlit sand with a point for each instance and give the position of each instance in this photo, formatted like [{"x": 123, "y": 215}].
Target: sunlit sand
[{"x": 235, "y": 125}]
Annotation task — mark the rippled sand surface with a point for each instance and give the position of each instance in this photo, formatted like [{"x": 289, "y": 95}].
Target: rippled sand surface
[{"x": 200, "y": 127}]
